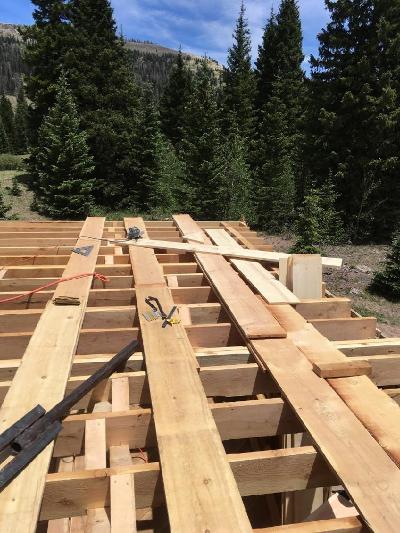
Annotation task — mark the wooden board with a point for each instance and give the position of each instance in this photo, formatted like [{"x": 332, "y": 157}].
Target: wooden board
[
  {"x": 371, "y": 478},
  {"x": 42, "y": 378},
  {"x": 271, "y": 289},
  {"x": 248, "y": 312},
  {"x": 195, "y": 470}
]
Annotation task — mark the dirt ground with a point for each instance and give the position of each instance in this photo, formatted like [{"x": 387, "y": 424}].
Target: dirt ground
[
  {"x": 20, "y": 205},
  {"x": 352, "y": 280}
]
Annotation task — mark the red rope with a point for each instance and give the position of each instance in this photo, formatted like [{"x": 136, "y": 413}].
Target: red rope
[{"x": 100, "y": 277}]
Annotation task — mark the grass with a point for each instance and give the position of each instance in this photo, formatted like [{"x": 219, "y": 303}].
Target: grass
[
  {"x": 20, "y": 205},
  {"x": 12, "y": 162}
]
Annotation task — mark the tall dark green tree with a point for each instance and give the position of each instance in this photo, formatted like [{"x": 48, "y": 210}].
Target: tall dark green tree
[
  {"x": 239, "y": 82},
  {"x": 4, "y": 145},
  {"x": 4, "y": 207},
  {"x": 279, "y": 143},
  {"x": 201, "y": 139},
  {"x": 107, "y": 96},
  {"x": 354, "y": 113},
  {"x": 387, "y": 281},
  {"x": 21, "y": 123},
  {"x": 7, "y": 116},
  {"x": 45, "y": 44},
  {"x": 174, "y": 101},
  {"x": 60, "y": 163}
]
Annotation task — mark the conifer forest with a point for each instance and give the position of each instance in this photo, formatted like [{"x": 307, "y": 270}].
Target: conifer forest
[{"x": 258, "y": 139}]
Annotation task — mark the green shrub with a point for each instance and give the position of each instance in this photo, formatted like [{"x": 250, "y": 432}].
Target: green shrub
[
  {"x": 387, "y": 282},
  {"x": 12, "y": 162}
]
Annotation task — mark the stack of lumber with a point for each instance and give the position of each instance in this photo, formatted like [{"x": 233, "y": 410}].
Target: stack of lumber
[{"x": 241, "y": 417}]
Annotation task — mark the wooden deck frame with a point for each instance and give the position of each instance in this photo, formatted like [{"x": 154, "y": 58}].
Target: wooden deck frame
[{"x": 228, "y": 371}]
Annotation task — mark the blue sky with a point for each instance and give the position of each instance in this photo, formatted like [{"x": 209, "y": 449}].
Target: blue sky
[{"x": 200, "y": 26}]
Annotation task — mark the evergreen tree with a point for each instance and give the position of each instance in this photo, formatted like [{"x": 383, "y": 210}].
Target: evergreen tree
[
  {"x": 45, "y": 43},
  {"x": 175, "y": 100},
  {"x": 4, "y": 208},
  {"x": 308, "y": 225},
  {"x": 233, "y": 180},
  {"x": 387, "y": 282},
  {"x": 266, "y": 63},
  {"x": 239, "y": 82},
  {"x": 107, "y": 97},
  {"x": 7, "y": 116},
  {"x": 61, "y": 163},
  {"x": 4, "y": 146},
  {"x": 354, "y": 113},
  {"x": 201, "y": 139},
  {"x": 21, "y": 124},
  {"x": 279, "y": 142}
]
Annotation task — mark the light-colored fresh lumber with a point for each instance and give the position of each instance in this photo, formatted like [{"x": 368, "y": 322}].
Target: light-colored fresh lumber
[
  {"x": 371, "y": 478},
  {"x": 185, "y": 427},
  {"x": 336, "y": 525},
  {"x": 247, "y": 311},
  {"x": 42, "y": 378},
  {"x": 342, "y": 329},
  {"x": 272, "y": 290},
  {"x": 253, "y": 255},
  {"x": 359, "y": 347},
  {"x": 312, "y": 309},
  {"x": 304, "y": 275},
  {"x": 264, "y": 472},
  {"x": 342, "y": 370}
]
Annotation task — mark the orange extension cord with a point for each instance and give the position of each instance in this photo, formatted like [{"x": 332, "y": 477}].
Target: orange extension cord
[{"x": 100, "y": 277}]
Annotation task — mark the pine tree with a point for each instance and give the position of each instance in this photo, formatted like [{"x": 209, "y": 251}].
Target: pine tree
[
  {"x": 354, "y": 113},
  {"x": 107, "y": 97},
  {"x": 278, "y": 153},
  {"x": 21, "y": 124},
  {"x": 61, "y": 163},
  {"x": 4, "y": 146},
  {"x": 239, "y": 79},
  {"x": 174, "y": 101},
  {"x": 233, "y": 179},
  {"x": 387, "y": 282},
  {"x": 266, "y": 67},
  {"x": 45, "y": 43},
  {"x": 7, "y": 116},
  {"x": 201, "y": 139},
  {"x": 4, "y": 208},
  {"x": 308, "y": 225}
]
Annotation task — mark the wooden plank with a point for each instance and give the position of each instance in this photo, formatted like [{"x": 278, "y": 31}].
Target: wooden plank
[
  {"x": 371, "y": 478},
  {"x": 342, "y": 329},
  {"x": 184, "y": 424},
  {"x": 304, "y": 275},
  {"x": 254, "y": 273},
  {"x": 248, "y": 312},
  {"x": 236, "y": 253},
  {"x": 42, "y": 379},
  {"x": 264, "y": 472},
  {"x": 336, "y": 525},
  {"x": 342, "y": 370},
  {"x": 324, "y": 308},
  {"x": 369, "y": 347}
]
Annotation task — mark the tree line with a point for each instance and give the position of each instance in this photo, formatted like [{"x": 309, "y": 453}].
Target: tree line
[{"x": 264, "y": 142}]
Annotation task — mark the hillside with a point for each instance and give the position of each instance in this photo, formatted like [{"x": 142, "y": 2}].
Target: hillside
[{"x": 151, "y": 62}]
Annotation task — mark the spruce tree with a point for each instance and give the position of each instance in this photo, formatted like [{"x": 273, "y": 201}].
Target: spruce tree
[
  {"x": 45, "y": 43},
  {"x": 308, "y": 225},
  {"x": 387, "y": 282},
  {"x": 21, "y": 124},
  {"x": 233, "y": 179},
  {"x": 4, "y": 146},
  {"x": 354, "y": 119},
  {"x": 175, "y": 99},
  {"x": 107, "y": 97},
  {"x": 7, "y": 116},
  {"x": 278, "y": 154},
  {"x": 239, "y": 82},
  {"x": 201, "y": 139},
  {"x": 61, "y": 163},
  {"x": 4, "y": 208}
]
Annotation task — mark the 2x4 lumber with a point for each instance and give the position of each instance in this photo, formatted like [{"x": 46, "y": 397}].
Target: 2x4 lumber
[
  {"x": 369, "y": 347},
  {"x": 42, "y": 379},
  {"x": 234, "y": 420},
  {"x": 250, "y": 315},
  {"x": 335, "y": 525},
  {"x": 226, "y": 381},
  {"x": 342, "y": 329},
  {"x": 184, "y": 424},
  {"x": 265, "y": 472},
  {"x": 240, "y": 238},
  {"x": 370, "y": 477},
  {"x": 47, "y": 250},
  {"x": 343, "y": 370},
  {"x": 385, "y": 368},
  {"x": 236, "y": 253},
  {"x": 254, "y": 273},
  {"x": 312, "y": 309}
]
